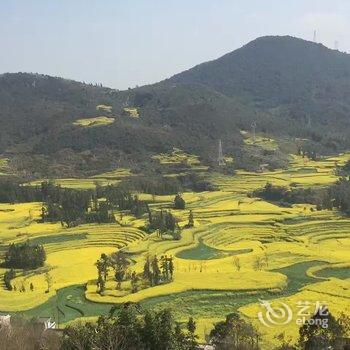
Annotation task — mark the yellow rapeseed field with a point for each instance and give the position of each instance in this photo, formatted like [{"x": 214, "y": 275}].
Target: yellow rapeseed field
[
  {"x": 264, "y": 239},
  {"x": 96, "y": 121}
]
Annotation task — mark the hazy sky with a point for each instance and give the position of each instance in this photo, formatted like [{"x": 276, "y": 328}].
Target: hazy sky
[{"x": 122, "y": 43}]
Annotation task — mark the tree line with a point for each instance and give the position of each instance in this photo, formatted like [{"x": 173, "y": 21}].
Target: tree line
[
  {"x": 335, "y": 196},
  {"x": 158, "y": 271},
  {"x": 25, "y": 256},
  {"x": 22, "y": 256},
  {"x": 130, "y": 327}
]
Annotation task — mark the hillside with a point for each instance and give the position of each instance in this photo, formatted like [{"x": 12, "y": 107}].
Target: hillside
[
  {"x": 49, "y": 126},
  {"x": 292, "y": 88},
  {"x": 304, "y": 83},
  {"x": 276, "y": 70}
]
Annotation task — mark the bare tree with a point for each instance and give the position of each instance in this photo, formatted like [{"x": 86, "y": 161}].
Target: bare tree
[{"x": 49, "y": 281}]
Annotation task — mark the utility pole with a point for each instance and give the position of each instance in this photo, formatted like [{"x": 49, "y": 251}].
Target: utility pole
[
  {"x": 58, "y": 310},
  {"x": 221, "y": 160},
  {"x": 309, "y": 122},
  {"x": 336, "y": 45},
  {"x": 315, "y": 36},
  {"x": 253, "y": 125},
  {"x": 126, "y": 102}
]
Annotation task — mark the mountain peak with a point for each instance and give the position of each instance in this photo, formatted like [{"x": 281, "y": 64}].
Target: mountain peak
[{"x": 273, "y": 69}]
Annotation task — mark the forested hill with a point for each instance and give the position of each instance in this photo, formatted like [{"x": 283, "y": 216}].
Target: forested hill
[
  {"x": 292, "y": 88},
  {"x": 40, "y": 130},
  {"x": 296, "y": 80},
  {"x": 276, "y": 70}
]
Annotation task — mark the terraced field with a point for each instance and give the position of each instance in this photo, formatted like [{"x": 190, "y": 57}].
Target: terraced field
[
  {"x": 132, "y": 112},
  {"x": 303, "y": 253},
  {"x": 71, "y": 253},
  {"x": 93, "y": 122},
  {"x": 3, "y": 166},
  {"x": 112, "y": 177}
]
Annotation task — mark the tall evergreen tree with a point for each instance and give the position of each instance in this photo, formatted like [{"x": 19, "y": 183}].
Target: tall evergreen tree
[
  {"x": 179, "y": 202},
  {"x": 190, "y": 219},
  {"x": 192, "y": 338},
  {"x": 322, "y": 331},
  {"x": 155, "y": 270}
]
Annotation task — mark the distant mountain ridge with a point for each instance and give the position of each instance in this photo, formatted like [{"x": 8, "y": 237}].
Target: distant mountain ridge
[
  {"x": 269, "y": 69},
  {"x": 290, "y": 87}
]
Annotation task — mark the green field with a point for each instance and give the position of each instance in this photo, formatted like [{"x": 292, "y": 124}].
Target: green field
[{"x": 303, "y": 249}]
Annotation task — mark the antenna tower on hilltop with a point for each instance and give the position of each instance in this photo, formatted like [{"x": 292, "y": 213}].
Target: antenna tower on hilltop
[
  {"x": 126, "y": 102},
  {"x": 309, "y": 121},
  {"x": 253, "y": 125},
  {"x": 221, "y": 160}
]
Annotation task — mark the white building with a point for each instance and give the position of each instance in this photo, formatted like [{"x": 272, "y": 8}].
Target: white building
[
  {"x": 5, "y": 320},
  {"x": 47, "y": 323}
]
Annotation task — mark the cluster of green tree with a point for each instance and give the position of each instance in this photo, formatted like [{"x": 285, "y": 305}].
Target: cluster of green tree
[
  {"x": 252, "y": 158},
  {"x": 157, "y": 184},
  {"x": 155, "y": 272},
  {"x": 153, "y": 178},
  {"x": 158, "y": 271},
  {"x": 343, "y": 170},
  {"x": 73, "y": 207},
  {"x": 69, "y": 207},
  {"x": 165, "y": 222},
  {"x": 12, "y": 192},
  {"x": 193, "y": 181},
  {"x": 162, "y": 220},
  {"x": 234, "y": 333},
  {"x": 101, "y": 212},
  {"x": 123, "y": 199},
  {"x": 322, "y": 331},
  {"x": 335, "y": 196},
  {"x": 287, "y": 196},
  {"x": 179, "y": 202},
  {"x": 132, "y": 328},
  {"x": 308, "y": 151},
  {"x": 119, "y": 263},
  {"x": 25, "y": 256},
  {"x": 152, "y": 183},
  {"x": 8, "y": 276},
  {"x": 338, "y": 196}
]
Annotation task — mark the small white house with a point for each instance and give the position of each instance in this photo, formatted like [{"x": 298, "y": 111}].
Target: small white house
[
  {"x": 205, "y": 347},
  {"x": 47, "y": 323},
  {"x": 5, "y": 320}
]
